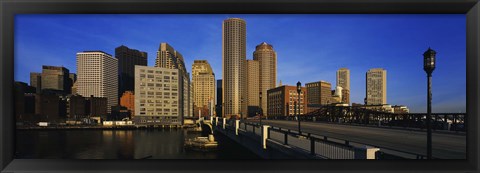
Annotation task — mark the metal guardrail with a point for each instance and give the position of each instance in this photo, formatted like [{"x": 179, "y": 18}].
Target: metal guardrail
[
  {"x": 322, "y": 146},
  {"x": 347, "y": 115}
]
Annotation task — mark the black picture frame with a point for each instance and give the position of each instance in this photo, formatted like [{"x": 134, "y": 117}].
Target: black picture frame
[{"x": 9, "y": 8}]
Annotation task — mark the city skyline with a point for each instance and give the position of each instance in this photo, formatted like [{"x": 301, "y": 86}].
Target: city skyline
[{"x": 448, "y": 88}]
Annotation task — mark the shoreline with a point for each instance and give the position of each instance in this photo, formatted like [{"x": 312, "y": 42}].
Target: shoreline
[{"x": 129, "y": 127}]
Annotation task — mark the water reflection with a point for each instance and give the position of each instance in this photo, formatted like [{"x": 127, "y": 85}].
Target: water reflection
[{"x": 119, "y": 144}]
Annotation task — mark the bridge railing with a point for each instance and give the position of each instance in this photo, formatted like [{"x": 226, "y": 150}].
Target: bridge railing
[
  {"x": 349, "y": 115},
  {"x": 324, "y": 146}
]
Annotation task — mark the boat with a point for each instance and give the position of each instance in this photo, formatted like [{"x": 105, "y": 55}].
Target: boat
[
  {"x": 195, "y": 129},
  {"x": 201, "y": 144}
]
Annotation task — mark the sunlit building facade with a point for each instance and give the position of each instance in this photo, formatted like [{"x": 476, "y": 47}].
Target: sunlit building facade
[
  {"x": 203, "y": 80},
  {"x": 97, "y": 76},
  {"x": 267, "y": 59},
  {"x": 234, "y": 40}
]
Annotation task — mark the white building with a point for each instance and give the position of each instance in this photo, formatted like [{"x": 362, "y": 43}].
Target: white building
[
  {"x": 97, "y": 75},
  {"x": 158, "y": 96},
  {"x": 169, "y": 58}
]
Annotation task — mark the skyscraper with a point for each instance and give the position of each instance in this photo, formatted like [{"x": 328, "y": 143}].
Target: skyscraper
[
  {"x": 127, "y": 59},
  {"x": 36, "y": 81},
  {"x": 73, "y": 77},
  {"x": 97, "y": 74},
  {"x": 253, "y": 87},
  {"x": 376, "y": 90},
  {"x": 169, "y": 58},
  {"x": 343, "y": 80},
  {"x": 219, "y": 97},
  {"x": 203, "y": 80},
  {"x": 234, "y": 41},
  {"x": 56, "y": 78},
  {"x": 267, "y": 59}
]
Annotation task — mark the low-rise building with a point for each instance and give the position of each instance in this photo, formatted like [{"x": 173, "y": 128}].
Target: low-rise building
[
  {"x": 400, "y": 109},
  {"x": 282, "y": 101}
]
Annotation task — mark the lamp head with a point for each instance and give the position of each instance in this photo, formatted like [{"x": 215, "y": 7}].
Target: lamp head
[{"x": 429, "y": 60}]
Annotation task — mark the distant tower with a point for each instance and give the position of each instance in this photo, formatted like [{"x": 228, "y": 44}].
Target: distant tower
[
  {"x": 234, "y": 41},
  {"x": 267, "y": 59},
  {"x": 343, "y": 80},
  {"x": 376, "y": 89},
  {"x": 56, "y": 78}
]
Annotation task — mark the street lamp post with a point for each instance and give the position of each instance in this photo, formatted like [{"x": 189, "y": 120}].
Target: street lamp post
[
  {"x": 260, "y": 107},
  {"x": 299, "y": 89},
  {"x": 429, "y": 66},
  {"x": 287, "y": 111},
  {"x": 241, "y": 108}
]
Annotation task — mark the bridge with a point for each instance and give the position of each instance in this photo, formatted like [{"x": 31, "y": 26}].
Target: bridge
[{"x": 342, "y": 133}]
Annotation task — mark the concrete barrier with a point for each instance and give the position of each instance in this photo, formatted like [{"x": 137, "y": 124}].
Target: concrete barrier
[
  {"x": 216, "y": 121},
  {"x": 237, "y": 126},
  {"x": 264, "y": 136},
  {"x": 366, "y": 152},
  {"x": 224, "y": 122}
]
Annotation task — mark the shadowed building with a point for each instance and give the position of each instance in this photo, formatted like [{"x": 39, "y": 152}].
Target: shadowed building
[
  {"x": 74, "y": 88},
  {"x": 73, "y": 80},
  {"x": 203, "y": 80},
  {"x": 127, "y": 59},
  {"x": 79, "y": 107},
  {"x": 73, "y": 77},
  {"x": 36, "y": 81},
  {"x": 376, "y": 89},
  {"x": 219, "y": 98},
  {"x": 24, "y": 105},
  {"x": 76, "y": 107},
  {"x": 234, "y": 40},
  {"x": 282, "y": 101},
  {"x": 50, "y": 107},
  {"x": 97, "y": 106}
]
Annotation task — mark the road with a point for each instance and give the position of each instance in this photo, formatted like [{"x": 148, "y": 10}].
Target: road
[{"x": 445, "y": 146}]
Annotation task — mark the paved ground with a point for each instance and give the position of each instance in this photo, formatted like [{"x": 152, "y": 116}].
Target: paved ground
[{"x": 445, "y": 146}]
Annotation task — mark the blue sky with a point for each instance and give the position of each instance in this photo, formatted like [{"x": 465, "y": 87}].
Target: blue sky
[{"x": 309, "y": 47}]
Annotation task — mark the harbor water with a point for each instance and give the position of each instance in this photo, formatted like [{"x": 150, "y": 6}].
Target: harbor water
[{"x": 120, "y": 144}]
